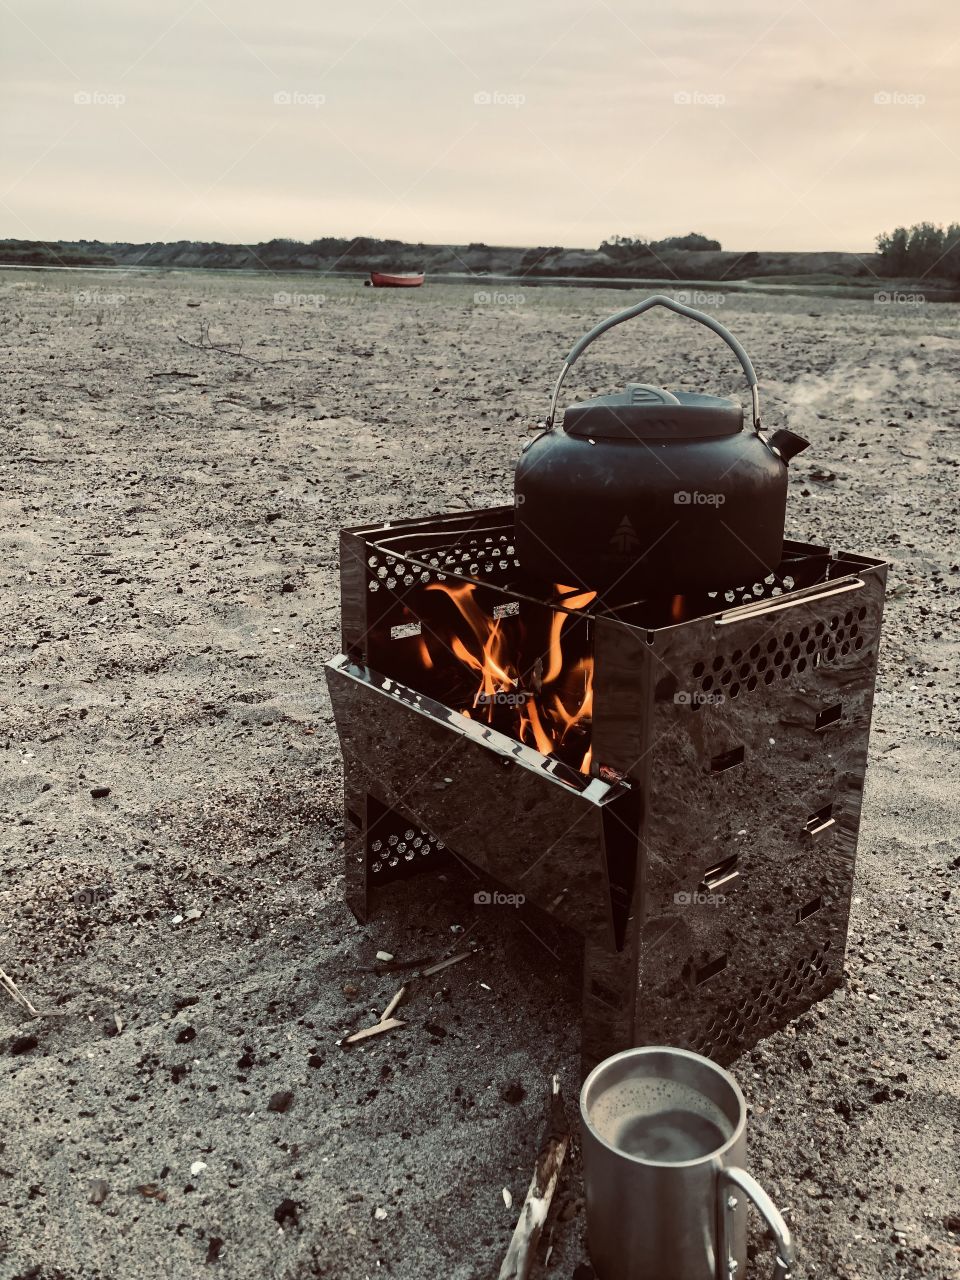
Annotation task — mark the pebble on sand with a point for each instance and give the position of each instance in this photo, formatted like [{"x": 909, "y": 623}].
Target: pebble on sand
[
  {"x": 280, "y": 1101},
  {"x": 99, "y": 793},
  {"x": 23, "y": 1044}
]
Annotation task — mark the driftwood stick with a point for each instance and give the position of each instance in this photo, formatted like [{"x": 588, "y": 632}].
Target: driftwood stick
[
  {"x": 16, "y": 995},
  {"x": 536, "y": 1206}
]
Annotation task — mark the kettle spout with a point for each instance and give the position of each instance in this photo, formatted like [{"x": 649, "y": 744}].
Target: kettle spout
[{"x": 785, "y": 444}]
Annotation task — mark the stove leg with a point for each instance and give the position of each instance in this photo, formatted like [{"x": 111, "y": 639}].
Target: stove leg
[
  {"x": 355, "y": 853},
  {"x": 609, "y": 994}
]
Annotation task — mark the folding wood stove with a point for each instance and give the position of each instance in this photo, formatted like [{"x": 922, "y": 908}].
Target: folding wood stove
[{"x": 698, "y": 830}]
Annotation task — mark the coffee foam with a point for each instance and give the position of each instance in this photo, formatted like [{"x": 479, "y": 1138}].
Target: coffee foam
[{"x": 623, "y": 1103}]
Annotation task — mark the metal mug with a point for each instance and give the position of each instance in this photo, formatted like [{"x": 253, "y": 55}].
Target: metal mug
[{"x": 654, "y": 1219}]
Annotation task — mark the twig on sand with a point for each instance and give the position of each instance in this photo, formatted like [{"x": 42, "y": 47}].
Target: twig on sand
[
  {"x": 445, "y": 964},
  {"x": 16, "y": 995},
  {"x": 206, "y": 345},
  {"x": 536, "y": 1206},
  {"x": 223, "y": 351},
  {"x": 391, "y": 1008},
  {"x": 378, "y": 1028}
]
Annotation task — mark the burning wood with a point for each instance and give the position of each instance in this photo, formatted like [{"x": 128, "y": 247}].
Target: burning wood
[{"x": 547, "y": 703}]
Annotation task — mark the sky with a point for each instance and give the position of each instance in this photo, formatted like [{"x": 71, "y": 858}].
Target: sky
[{"x": 801, "y": 125}]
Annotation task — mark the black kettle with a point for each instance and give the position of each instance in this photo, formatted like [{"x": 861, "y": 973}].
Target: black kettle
[{"x": 651, "y": 492}]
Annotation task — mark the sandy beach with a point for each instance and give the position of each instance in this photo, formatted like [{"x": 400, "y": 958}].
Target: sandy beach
[{"x": 171, "y": 897}]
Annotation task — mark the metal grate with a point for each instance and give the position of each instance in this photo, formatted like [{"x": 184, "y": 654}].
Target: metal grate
[
  {"x": 397, "y": 847},
  {"x": 487, "y": 556},
  {"x": 779, "y": 657},
  {"x": 725, "y": 1033}
]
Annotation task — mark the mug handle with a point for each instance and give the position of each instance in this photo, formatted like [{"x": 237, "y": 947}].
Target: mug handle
[{"x": 733, "y": 1180}]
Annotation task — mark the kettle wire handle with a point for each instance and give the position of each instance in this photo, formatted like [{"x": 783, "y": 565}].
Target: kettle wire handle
[{"x": 659, "y": 300}]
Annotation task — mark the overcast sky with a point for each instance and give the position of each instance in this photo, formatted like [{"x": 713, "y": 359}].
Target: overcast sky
[{"x": 508, "y": 121}]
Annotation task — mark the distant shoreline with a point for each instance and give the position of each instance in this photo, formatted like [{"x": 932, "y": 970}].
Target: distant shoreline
[
  {"x": 621, "y": 263},
  {"x": 858, "y": 288}
]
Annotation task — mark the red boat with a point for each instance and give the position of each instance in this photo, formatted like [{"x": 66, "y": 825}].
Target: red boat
[{"x": 396, "y": 280}]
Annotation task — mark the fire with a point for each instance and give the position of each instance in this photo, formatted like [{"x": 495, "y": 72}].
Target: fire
[
  {"x": 677, "y": 608},
  {"x": 583, "y": 671},
  {"x": 550, "y": 705},
  {"x": 530, "y": 719}
]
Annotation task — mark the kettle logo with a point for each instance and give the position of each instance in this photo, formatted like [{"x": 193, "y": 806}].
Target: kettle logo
[{"x": 625, "y": 537}]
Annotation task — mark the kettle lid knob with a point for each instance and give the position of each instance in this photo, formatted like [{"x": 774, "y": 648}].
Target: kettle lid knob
[{"x": 647, "y": 393}]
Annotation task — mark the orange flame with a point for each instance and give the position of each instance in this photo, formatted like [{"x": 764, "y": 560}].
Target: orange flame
[
  {"x": 677, "y": 606},
  {"x": 541, "y": 719},
  {"x": 531, "y": 717},
  {"x": 425, "y": 655},
  {"x": 583, "y": 670}
]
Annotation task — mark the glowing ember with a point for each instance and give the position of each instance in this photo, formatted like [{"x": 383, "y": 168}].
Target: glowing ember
[{"x": 549, "y": 705}]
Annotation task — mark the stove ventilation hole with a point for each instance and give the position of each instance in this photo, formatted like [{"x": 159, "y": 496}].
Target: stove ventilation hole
[
  {"x": 393, "y": 851},
  {"x": 820, "y": 822},
  {"x": 728, "y": 759},
  {"x": 809, "y": 909},
  {"x": 779, "y": 657},
  {"x": 490, "y": 557},
  {"x": 730, "y": 1030},
  {"x": 709, "y": 970},
  {"x": 828, "y": 716}
]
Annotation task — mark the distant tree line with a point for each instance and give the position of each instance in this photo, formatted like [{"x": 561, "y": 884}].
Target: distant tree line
[
  {"x": 44, "y": 253},
  {"x": 636, "y": 247},
  {"x": 922, "y": 248}
]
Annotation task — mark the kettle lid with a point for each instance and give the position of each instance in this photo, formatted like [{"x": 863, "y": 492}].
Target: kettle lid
[{"x": 645, "y": 412}]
